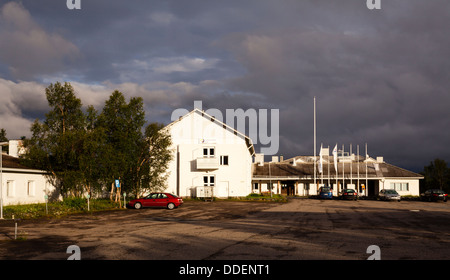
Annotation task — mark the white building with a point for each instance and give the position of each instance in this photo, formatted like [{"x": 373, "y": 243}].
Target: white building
[
  {"x": 20, "y": 184},
  {"x": 295, "y": 176},
  {"x": 209, "y": 158}
]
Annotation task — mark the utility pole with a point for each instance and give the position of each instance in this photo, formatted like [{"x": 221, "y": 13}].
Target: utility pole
[{"x": 1, "y": 178}]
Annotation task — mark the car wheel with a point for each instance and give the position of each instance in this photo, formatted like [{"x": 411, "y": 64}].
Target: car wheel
[
  {"x": 138, "y": 205},
  {"x": 170, "y": 206}
]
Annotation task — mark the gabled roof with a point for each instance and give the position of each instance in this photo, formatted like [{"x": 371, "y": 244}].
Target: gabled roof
[{"x": 248, "y": 140}]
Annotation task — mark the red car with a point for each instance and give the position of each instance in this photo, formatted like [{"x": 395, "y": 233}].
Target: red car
[{"x": 168, "y": 200}]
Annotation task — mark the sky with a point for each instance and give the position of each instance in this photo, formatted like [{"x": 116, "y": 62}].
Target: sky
[{"x": 379, "y": 76}]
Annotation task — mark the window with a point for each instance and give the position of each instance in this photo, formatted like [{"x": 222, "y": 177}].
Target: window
[
  {"x": 405, "y": 186},
  {"x": 30, "y": 188},
  {"x": 208, "y": 152},
  {"x": 400, "y": 186},
  {"x": 223, "y": 160},
  {"x": 208, "y": 180},
  {"x": 10, "y": 188}
]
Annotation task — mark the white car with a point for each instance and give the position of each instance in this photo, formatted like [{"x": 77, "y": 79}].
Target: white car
[{"x": 388, "y": 194}]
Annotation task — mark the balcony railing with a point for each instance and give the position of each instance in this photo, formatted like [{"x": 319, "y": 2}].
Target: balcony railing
[{"x": 204, "y": 163}]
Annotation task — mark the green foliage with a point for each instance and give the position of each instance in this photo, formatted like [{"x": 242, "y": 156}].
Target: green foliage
[
  {"x": 58, "y": 208},
  {"x": 266, "y": 196},
  {"x": 56, "y": 143},
  {"x": 3, "y": 138},
  {"x": 85, "y": 151},
  {"x": 436, "y": 176},
  {"x": 74, "y": 203}
]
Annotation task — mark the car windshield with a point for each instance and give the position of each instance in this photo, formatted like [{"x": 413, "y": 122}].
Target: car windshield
[
  {"x": 437, "y": 191},
  {"x": 325, "y": 189},
  {"x": 391, "y": 192}
]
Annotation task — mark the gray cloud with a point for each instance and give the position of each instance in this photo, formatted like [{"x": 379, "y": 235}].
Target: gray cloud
[
  {"x": 29, "y": 50},
  {"x": 380, "y": 77}
]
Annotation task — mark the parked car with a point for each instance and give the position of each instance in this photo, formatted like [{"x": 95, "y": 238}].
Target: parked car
[
  {"x": 389, "y": 194},
  {"x": 349, "y": 194},
  {"x": 168, "y": 200},
  {"x": 325, "y": 192},
  {"x": 434, "y": 195}
]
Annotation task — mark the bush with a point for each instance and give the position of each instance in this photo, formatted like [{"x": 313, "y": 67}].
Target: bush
[
  {"x": 254, "y": 195},
  {"x": 57, "y": 209},
  {"x": 76, "y": 203},
  {"x": 266, "y": 196}
]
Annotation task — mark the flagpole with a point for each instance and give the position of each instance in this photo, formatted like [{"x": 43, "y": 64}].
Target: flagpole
[
  {"x": 335, "y": 166},
  {"x": 351, "y": 165},
  {"x": 367, "y": 179},
  {"x": 357, "y": 188},
  {"x": 343, "y": 167},
  {"x": 329, "y": 166},
  {"x": 315, "y": 143},
  {"x": 321, "y": 165}
]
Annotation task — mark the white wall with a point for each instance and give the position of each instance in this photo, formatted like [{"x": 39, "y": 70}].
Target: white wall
[
  {"x": 233, "y": 179},
  {"x": 413, "y": 186},
  {"x": 195, "y": 132},
  {"x": 24, "y": 188}
]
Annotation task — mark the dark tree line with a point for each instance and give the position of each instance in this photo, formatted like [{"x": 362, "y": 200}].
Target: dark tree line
[
  {"x": 84, "y": 151},
  {"x": 436, "y": 176}
]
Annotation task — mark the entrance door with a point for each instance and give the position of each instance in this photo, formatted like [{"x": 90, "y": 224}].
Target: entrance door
[
  {"x": 287, "y": 188},
  {"x": 223, "y": 190},
  {"x": 373, "y": 188}
]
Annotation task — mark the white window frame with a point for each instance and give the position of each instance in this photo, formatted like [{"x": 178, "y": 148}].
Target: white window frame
[
  {"x": 208, "y": 152},
  {"x": 31, "y": 188},
  {"x": 222, "y": 160},
  {"x": 208, "y": 182},
  {"x": 399, "y": 186},
  {"x": 10, "y": 188}
]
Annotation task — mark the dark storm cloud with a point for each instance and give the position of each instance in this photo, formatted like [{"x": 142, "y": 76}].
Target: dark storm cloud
[
  {"x": 27, "y": 48},
  {"x": 379, "y": 76}
]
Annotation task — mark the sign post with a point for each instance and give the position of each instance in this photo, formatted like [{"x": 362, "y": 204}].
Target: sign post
[
  {"x": 88, "y": 196},
  {"x": 46, "y": 204},
  {"x": 118, "y": 188}
]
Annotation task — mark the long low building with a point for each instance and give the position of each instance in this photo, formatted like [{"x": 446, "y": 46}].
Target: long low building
[
  {"x": 295, "y": 176},
  {"x": 23, "y": 185}
]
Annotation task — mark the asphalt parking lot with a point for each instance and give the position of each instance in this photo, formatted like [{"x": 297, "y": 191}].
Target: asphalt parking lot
[{"x": 302, "y": 229}]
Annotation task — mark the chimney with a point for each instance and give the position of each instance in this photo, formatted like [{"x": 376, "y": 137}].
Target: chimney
[
  {"x": 16, "y": 148},
  {"x": 259, "y": 159}
]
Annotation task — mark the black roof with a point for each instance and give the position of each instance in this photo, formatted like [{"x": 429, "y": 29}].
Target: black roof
[{"x": 13, "y": 162}]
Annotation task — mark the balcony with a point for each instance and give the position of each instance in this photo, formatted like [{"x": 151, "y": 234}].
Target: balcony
[{"x": 207, "y": 163}]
